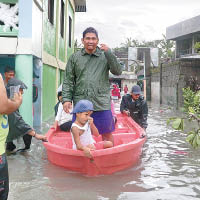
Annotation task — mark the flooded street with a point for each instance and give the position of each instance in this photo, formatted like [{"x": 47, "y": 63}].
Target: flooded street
[{"x": 168, "y": 170}]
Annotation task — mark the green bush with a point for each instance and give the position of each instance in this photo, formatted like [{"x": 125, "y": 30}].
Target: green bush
[{"x": 192, "y": 111}]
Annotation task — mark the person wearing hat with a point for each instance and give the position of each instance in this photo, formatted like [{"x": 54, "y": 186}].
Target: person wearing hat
[
  {"x": 135, "y": 105},
  {"x": 17, "y": 126},
  {"x": 83, "y": 128},
  {"x": 9, "y": 73},
  {"x": 6, "y": 107}
]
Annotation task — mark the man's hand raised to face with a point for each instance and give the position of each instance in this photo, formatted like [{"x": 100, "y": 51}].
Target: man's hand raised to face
[
  {"x": 104, "y": 47},
  {"x": 67, "y": 106}
]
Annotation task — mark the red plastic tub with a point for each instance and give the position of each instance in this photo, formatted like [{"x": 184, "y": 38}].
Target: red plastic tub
[{"x": 126, "y": 152}]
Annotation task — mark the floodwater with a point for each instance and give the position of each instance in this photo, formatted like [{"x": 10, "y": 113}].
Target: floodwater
[{"x": 168, "y": 170}]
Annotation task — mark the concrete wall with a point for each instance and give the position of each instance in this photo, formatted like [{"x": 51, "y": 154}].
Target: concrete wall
[
  {"x": 170, "y": 75},
  {"x": 168, "y": 82},
  {"x": 155, "y": 87}
]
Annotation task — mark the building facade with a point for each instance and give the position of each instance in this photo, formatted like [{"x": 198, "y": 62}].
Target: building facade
[
  {"x": 37, "y": 38},
  {"x": 170, "y": 78},
  {"x": 186, "y": 34}
]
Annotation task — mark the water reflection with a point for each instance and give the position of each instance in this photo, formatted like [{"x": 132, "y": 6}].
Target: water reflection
[{"x": 168, "y": 169}]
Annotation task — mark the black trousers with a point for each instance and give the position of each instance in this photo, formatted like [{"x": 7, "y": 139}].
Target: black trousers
[
  {"x": 27, "y": 141},
  {"x": 66, "y": 126},
  {"x": 4, "y": 181}
]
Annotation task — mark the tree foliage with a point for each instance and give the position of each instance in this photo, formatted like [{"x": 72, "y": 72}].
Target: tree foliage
[
  {"x": 130, "y": 42},
  {"x": 197, "y": 47},
  {"x": 77, "y": 46},
  {"x": 167, "y": 47}
]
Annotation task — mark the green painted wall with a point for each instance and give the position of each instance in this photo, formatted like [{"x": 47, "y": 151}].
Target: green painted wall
[
  {"x": 62, "y": 72},
  {"x": 62, "y": 40},
  {"x": 9, "y": 1},
  {"x": 62, "y": 49},
  {"x": 24, "y": 72},
  {"x": 49, "y": 31},
  {"x": 8, "y": 32},
  {"x": 51, "y": 34},
  {"x": 71, "y": 13},
  {"x": 48, "y": 91}
]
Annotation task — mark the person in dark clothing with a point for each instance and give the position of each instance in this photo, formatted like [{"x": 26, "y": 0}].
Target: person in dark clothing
[
  {"x": 57, "y": 104},
  {"x": 17, "y": 126},
  {"x": 134, "y": 105},
  {"x": 9, "y": 73}
]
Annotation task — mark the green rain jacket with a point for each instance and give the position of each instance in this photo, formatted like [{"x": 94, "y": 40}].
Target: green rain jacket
[{"x": 87, "y": 77}]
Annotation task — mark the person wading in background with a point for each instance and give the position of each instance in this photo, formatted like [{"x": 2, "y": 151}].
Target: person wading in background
[{"x": 135, "y": 105}]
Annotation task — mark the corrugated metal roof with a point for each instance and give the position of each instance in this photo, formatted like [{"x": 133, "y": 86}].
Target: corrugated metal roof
[{"x": 80, "y": 5}]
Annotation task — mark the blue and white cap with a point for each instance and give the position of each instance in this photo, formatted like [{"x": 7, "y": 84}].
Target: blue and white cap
[{"x": 83, "y": 106}]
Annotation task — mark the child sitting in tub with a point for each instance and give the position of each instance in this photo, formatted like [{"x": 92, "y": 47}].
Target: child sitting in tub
[
  {"x": 83, "y": 128},
  {"x": 63, "y": 119}
]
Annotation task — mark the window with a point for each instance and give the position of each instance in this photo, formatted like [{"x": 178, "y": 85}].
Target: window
[
  {"x": 9, "y": 21},
  {"x": 51, "y": 11},
  {"x": 62, "y": 17},
  {"x": 70, "y": 32}
]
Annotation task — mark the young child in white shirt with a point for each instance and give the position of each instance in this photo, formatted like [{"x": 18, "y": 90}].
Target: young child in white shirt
[
  {"x": 63, "y": 119},
  {"x": 83, "y": 128}
]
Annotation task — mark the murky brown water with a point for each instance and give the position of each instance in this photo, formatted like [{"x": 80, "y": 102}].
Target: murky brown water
[{"x": 168, "y": 170}]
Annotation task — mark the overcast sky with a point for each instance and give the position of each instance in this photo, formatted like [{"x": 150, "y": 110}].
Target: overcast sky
[{"x": 147, "y": 20}]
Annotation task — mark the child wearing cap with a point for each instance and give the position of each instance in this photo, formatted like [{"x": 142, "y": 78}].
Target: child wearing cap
[{"x": 83, "y": 128}]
